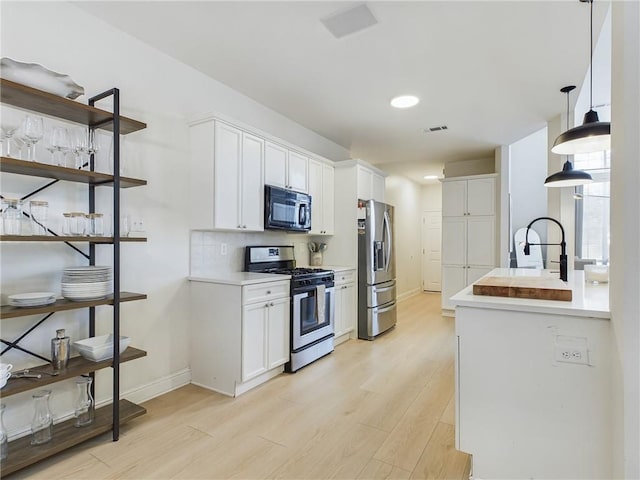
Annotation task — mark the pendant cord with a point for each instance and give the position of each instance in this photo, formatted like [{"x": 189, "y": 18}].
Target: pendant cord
[{"x": 591, "y": 58}]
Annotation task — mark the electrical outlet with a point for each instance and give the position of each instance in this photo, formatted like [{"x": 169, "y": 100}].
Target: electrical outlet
[
  {"x": 572, "y": 354},
  {"x": 571, "y": 350},
  {"x": 223, "y": 249}
]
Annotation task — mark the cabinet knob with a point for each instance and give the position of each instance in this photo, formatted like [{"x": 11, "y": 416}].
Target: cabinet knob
[
  {"x": 271, "y": 304},
  {"x": 266, "y": 305},
  {"x": 268, "y": 292}
]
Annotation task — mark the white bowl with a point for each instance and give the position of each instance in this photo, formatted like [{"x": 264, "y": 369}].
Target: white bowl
[
  {"x": 99, "y": 348},
  {"x": 4, "y": 376},
  {"x": 596, "y": 273}
]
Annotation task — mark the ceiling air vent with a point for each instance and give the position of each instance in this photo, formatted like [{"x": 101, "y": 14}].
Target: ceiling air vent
[
  {"x": 349, "y": 21},
  {"x": 435, "y": 129}
]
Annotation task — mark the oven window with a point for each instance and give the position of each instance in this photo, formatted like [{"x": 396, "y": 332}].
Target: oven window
[{"x": 309, "y": 320}]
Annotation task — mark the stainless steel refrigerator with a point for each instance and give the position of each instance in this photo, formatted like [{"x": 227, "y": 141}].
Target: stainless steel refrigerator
[{"x": 376, "y": 269}]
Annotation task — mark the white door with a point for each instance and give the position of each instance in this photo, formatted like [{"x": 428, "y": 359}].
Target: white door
[
  {"x": 454, "y": 198},
  {"x": 481, "y": 196},
  {"x": 298, "y": 171},
  {"x": 431, "y": 251},
  {"x": 454, "y": 238},
  {"x": 227, "y": 148},
  {"x": 481, "y": 244},
  {"x": 349, "y": 307},
  {"x": 328, "y": 202},
  {"x": 275, "y": 165},
  {"x": 454, "y": 279},
  {"x": 278, "y": 334},
  {"x": 252, "y": 185},
  {"x": 254, "y": 340},
  {"x": 317, "y": 200}
]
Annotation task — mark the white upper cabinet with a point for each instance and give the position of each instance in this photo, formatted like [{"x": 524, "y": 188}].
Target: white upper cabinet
[
  {"x": 251, "y": 184},
  {"x": 371, "y": 185},
  {"x": 469, "y": 197},
  {"x": 321, "y": 189},
  {"x": 226, "y": 184},
  {"x": 286, "y": 168}
]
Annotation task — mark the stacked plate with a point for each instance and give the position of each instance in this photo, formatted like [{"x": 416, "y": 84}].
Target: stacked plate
[
  {"x": 87, "y": 283},
  {"x": 34, "y": 299}
]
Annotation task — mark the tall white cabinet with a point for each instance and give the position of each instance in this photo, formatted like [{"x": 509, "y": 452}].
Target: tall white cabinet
[
  {"x": 468, "y": 232},
  {"x": 322, "y": 202}
]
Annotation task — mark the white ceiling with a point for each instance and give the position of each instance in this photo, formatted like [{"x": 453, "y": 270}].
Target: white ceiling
[{"x": 491, "y": 71}]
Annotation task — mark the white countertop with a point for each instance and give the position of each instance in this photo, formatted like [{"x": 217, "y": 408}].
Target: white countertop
[
  {"x": 241, "y": 278},
  {"x": 588, "y": 300}
]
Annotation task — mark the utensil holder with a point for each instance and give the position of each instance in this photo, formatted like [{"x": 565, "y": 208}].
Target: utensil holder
[{"x": 315, "y": 259}]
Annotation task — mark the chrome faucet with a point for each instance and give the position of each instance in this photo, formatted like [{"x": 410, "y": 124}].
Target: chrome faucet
[{"x": 563, "y": 246}]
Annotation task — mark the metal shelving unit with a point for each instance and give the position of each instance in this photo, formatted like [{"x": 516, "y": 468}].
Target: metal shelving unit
[{"x": 107, "y": 418}]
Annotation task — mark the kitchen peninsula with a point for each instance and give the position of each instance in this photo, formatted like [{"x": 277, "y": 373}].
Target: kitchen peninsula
[{"x": 533, "y": 382}]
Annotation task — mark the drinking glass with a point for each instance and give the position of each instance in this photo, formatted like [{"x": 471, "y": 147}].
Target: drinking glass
[
  {"x": 84, "y": 407},
  {"x": 38, "y": 213},
  {"x": 59, "y": 146},
  {"x": 32, "y": 132},
  {"x": 79, "y": 142},
  {"x": 4, "y": 438},
  {"x": 9, "y": 124},
  {"x": 11, "y": 216},
  {"x": 42, "y": 423}
]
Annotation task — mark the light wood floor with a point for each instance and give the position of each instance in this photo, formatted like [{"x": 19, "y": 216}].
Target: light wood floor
[{"x": 381, "y": 409}]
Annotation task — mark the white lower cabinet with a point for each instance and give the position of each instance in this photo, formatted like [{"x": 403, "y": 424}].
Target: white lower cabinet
[
  {"x": 346, "y": 305},
  {"x": 239, "y": 334}
]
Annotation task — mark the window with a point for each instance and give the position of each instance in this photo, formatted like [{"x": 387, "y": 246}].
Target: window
[{"x": 592, "y": 207}]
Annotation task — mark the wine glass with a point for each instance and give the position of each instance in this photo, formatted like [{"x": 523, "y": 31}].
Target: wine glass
[
  {"x": 59, "y": 146},
  {"x": 9, "y": 125},
  {"x": 79, "y": 147},
  {"x": 32, "y": 132}
]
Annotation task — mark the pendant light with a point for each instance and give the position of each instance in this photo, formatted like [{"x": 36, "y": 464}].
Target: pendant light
[
  {"x": 568, "y": 177},
  {"x": 593, "y": 135}
]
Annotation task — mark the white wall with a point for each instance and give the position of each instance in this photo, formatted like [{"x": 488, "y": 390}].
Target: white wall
[
  {"x": 163, "y": 93},
  {"x": 625, "y": 231},
  {"x": 406, "y": 196},
  {"x": 528, "y": 171},
  {"x": 431, "y": 197}
]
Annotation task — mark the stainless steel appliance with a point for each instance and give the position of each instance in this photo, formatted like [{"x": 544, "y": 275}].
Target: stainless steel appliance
[
  {"x": 286, "y": 210},
  {"x": 376, "y": 269},
  {"x": 312, "y": 302}
]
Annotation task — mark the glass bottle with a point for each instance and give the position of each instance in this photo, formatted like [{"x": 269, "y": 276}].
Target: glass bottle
[
  {"x": 42, "y": 423},
  {"x": 83, "y": 408},
  {"x": 60, "y": 350},
  {"x": 4, "y": 439}
]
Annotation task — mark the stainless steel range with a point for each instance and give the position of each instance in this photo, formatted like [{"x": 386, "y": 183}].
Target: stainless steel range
[{"x": 312, "y": 302}]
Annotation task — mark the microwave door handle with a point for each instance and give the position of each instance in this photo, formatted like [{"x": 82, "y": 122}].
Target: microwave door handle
[{"x": 302, "y": 214}]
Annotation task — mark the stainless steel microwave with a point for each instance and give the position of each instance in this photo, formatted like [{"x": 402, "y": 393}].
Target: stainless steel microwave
[{"x": 286, "y": 210}]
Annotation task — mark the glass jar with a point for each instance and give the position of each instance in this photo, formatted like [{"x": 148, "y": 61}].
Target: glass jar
[
  {"x": 11, "y": 216},
  {"x": 4, "y": 438},
  {"x": 38, "y": 213},
  {"x": 77, "y": 224},
  {"x": 66, "y": 223},
  {"x": 42, "y": 423},
  {"x": 84, "y": 407},
  {"x": 95, "y": 224}
]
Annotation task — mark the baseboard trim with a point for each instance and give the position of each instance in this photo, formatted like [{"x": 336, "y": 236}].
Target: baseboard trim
[
  {"x": 409, "y": 294},
  {"x": 157, "y": 387}
]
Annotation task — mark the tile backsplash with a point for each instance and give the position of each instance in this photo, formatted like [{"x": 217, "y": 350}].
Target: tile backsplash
[{"x": 208, "y": 256}]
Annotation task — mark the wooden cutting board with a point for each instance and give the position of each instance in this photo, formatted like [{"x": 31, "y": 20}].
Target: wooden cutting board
[{"x": 539, "y": 288}]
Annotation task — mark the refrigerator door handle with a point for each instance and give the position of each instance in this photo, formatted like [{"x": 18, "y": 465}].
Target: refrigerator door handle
[
  {"x": 387, "y": 227},
  {"x": 385, "y": 289}
]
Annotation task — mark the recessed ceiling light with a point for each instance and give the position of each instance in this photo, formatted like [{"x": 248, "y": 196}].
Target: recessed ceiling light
[
  {"x": 405, "y": 101},
  {"x": 430, "y": 177}
]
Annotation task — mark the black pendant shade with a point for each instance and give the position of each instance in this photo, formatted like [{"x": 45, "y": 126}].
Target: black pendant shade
[
  {"x": 593, "y": 135},
  {"x": 568, "y": 177}
]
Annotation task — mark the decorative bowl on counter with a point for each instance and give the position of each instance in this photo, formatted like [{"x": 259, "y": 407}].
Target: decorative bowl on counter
[
  {"x": 596, "y": 273},
  {"x": 99, "y": 348}
]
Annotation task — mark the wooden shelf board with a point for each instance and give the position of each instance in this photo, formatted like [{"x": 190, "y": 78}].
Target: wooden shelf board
[
  {"x": 9, "y": 311},
  {"x": 65, "y": 435},
  {"x": 66, "y": 238},
  {"x": 35, "y": 169},
  {"x": 46, "y": 103},
  {"x": 77, "y": 366}
]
